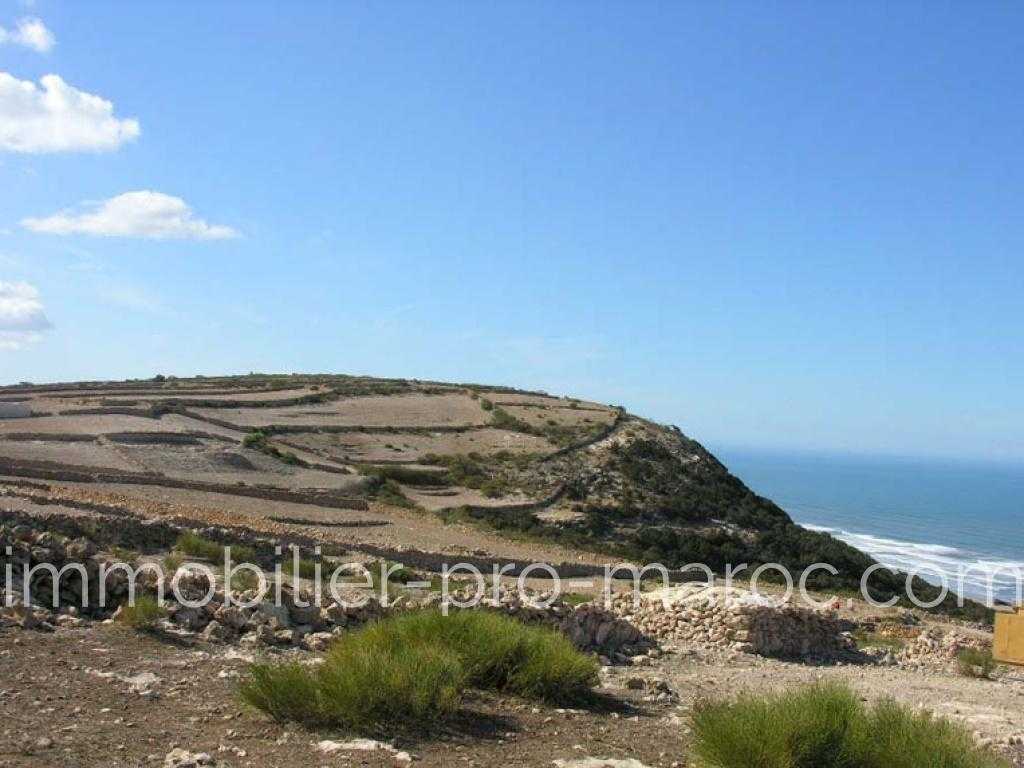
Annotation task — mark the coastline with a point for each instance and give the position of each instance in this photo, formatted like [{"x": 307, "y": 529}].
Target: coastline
[
  {"x": 930, "y": 560},
  {"x": 925, "y": 516}
]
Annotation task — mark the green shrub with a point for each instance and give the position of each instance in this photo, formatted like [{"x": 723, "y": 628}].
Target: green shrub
[
  {"x": 172, "y": 563},
  {"x": 502, "y": 419},
  {"x": 865, "y": 639},
  {"x": 408, "y": 475},
  {"x": 242, "y": 553},
  {"x": 415, "y": 666},
  {"x": 258, "y": 440},
  {"x": 255, "y": 440},
  {"x": 827, "y": 726},
  {"x": 388, "y": 492},
  {"x": 500, "y": 653},
  {"x": 975, "y": 662},
  {"x": 288, "y": 457},
  {"x": 370, "y": 678},
  {"x": 243, "y": 580},
  {"x": 398, "y": 573},
  {"x": 194, "y": 545},
  {"x": 493, "y": 489},
  {"x": 288, "y": 691},
  {"x": 143, "y": 614},
  {"x": 306, "y": 569},
  {"x": 123, "y": 555}
]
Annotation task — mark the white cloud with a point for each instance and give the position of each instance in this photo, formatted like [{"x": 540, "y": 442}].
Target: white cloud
[
  {"x": 31, "y": 33},
  {"x": 144, "y": 213},
  {"x": 58, "y": 118},
  {"x": 22, "y": 319}
]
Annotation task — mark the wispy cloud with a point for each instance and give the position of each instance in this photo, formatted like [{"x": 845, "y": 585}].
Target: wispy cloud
[
  {"x": 57, "y": 117},
  {"x": 143, "y": 214},
  {"x": 30, "y": 32},
  {"x": 22, "y": 316}
]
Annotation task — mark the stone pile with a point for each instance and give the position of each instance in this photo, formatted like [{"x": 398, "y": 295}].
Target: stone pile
[
  {"x": 590, "y": 626},
  {"x": 734, "y": 620},
  {"x": 936, "y": 648},
  {"x": 295, "y": 620},
  {"x": 23, "y": 547}
]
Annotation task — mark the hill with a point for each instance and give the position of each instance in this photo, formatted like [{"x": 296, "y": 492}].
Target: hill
[{"x": 419, "y": 456}]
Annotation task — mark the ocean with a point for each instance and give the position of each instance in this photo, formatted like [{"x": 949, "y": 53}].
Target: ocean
[{"x": 935, "y": 516}]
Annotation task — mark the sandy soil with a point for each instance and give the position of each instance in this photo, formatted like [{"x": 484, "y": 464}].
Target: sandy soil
[
  {"x": 433, "y": 500},
  {"x": 216, "y": 462},
  {"x": 401, "y": 528},
  {"x": 80, "y": 454},
  {"x": 360, "y": 447},
  {"x": 106, "y": 424},
  {"x": 258, "y": 395},
  {"x": 555, "y": 402},
  {"x": 413, "y": 410},
  {"x": 53, "y": 688},
  {"x": 562, "y": 416}
]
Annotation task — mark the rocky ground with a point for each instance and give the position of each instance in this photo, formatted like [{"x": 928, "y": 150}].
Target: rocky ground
[
  {"x": 103, "y": 695},
  {"x": 89, "y": 691}
]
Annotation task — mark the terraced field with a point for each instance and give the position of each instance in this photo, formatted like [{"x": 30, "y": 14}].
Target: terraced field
[
  {"x": 478, "y": 468},
  {"x": 315, "y": 434}
]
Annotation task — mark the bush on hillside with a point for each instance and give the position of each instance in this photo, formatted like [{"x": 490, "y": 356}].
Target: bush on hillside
[
  {"x": 413, "y": 669},
  {"x": 976, "y": 662},
  {"x": 828, "y": 726},
  {"x": 196, "y": 546},
  {"x": 142, "y": 614}
]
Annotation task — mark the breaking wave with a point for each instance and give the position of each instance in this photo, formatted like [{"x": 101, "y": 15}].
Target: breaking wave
[{"x": 932, "y": 562}]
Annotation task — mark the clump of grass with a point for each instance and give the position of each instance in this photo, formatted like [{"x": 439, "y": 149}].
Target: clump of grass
[
  {"x": 976, "y": 662},
  {"x": 469, "y": 471},
  {"x": 373, "y": 679},
  {"x": 194, "y": 545},
  {"x": 243, "y": 580},
  {"x": 500, "y": 653},
  {"x": 389, "y": 492},
  {"x": 865, "y": 639},
  {"x": 408, "y": 476},
  {"x": 306, "y": 568},
  {"x": 143, "y": 614},
  {"x": 123, "y": 554},
  {"x": 397, "y": 573},
  {"x": 172, "y": 563},
  {"x": 502, "y": 419},
  {"x": 255, "y": 439},
  {"x": 576, "y": 598},
  {"x": 288, "y": 691},
  {"x": 828, "y": 726},
  {"x": 260, "y": 441},
  {"x": 417, "y": 665}
]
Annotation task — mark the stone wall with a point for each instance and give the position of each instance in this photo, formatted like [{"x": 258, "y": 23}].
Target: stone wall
[{"x": 736, "y": 620}]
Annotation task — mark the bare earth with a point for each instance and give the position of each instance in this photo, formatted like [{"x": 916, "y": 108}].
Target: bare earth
[{"x": 67, "y": 697}]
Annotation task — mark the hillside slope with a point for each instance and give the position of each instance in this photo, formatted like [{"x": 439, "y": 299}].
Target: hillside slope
[{"x": 563, "y": 471}]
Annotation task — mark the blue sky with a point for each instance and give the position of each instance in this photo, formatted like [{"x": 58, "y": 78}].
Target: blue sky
[{"x": 791, "y": 225}]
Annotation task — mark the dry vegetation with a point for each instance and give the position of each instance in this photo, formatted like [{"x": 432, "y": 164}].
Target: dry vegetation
[{"x": 416, "y": 474}]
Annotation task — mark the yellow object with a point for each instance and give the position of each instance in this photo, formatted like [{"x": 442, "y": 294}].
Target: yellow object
[{"x": 1008, "y": 645}]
